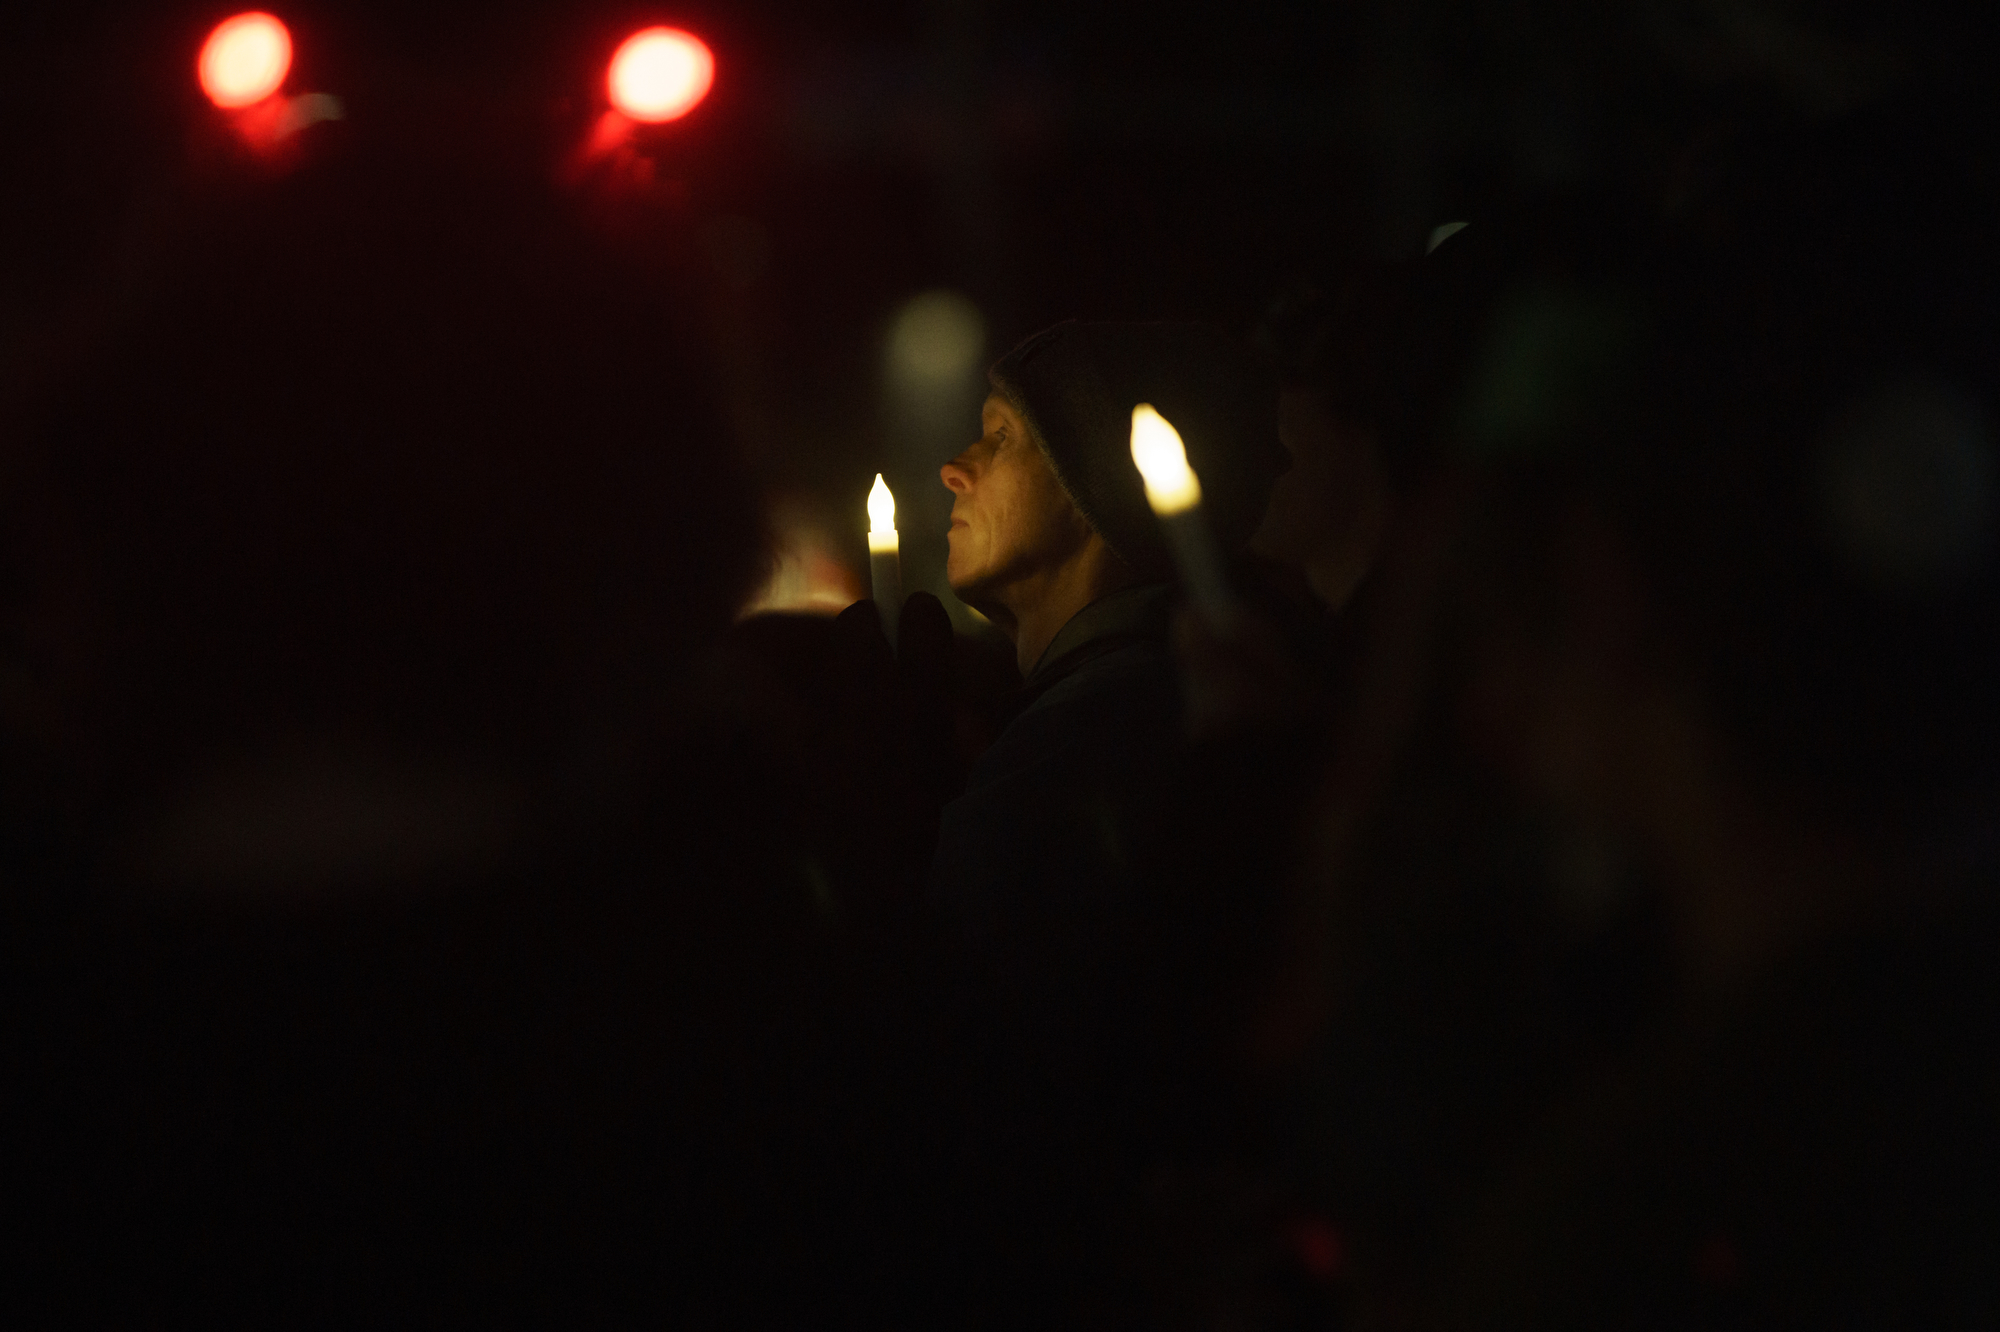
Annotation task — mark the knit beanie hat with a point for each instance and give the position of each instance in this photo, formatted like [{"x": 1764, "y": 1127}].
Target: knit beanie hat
[{"x": 1076, "y": 385}]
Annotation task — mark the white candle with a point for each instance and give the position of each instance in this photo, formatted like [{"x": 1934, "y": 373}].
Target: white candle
[
  {"x": 885, "y": 561},
  {"x": 1175, "y": 494}
]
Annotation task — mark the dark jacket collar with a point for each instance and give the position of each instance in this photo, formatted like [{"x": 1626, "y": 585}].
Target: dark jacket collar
[{"x": 1129, "y": 615}]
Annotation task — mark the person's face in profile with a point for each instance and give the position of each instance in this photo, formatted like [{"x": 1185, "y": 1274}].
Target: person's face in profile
[
  {"x": 1009, "y": 516},
  {"x": 1327, "y": 512}
]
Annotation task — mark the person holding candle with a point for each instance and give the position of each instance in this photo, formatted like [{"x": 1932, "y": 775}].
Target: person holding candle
[
  {"x": 1052, "y": 538},
  {"x": 1059, "y": 865},
  {"x": 1050, "y": 514}
]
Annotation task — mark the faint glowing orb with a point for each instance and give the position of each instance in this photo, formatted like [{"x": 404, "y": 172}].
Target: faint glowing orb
[
  {"x": 660, "y": 74},
  {"x": 1910, "y": 485},
  {"x": 936, "y": 340},
  {"x": 244, "y": 60}
]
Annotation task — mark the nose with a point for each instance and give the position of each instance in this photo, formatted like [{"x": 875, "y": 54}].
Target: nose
[{"x": 957, "y": 478}]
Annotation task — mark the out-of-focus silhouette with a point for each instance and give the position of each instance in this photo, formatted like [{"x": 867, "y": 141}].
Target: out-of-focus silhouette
[
  {"x": 378, "y": 925},
  {"x": 1647, "y": 858}
]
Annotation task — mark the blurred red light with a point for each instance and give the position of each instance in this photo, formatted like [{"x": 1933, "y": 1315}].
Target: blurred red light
[
  {"x": 244, "y": 60},
  {"x": 660, "y": 74}
]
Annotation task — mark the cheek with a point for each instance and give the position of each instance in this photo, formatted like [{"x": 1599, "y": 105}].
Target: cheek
[
  {"x": 1000, "y": 506},
  {"x": 1040, "y": 514},
  {"x": 1022, "y": 515}
]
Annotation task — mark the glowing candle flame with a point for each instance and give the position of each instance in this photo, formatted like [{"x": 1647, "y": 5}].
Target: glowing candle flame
[
  {"x": 244, "y": 60},
  {"x": 885, "y": 562},
  {"x": 1161, "y": 458},
  {"x": 881, "y": 509}
]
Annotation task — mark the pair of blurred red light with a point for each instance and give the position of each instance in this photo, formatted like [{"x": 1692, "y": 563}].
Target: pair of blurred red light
[{"x": 657, "y": 75}]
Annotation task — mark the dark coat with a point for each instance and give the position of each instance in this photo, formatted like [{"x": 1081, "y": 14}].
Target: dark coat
[
  {"x": 1046, "y": 873},
  {"x": 1046, "y": 820}
]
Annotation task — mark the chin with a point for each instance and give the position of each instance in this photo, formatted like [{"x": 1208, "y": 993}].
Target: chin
[
  {"x": 958, "y": 570},
  {"x": 962, "y": 585},
  {"x": 965, "y": 584}
]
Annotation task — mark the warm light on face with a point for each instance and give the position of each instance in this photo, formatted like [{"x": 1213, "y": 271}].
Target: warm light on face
[
  {"x": 244, "y": 60},
  {"x": 660, "y": 74},
  {"x": 1161, "y": 458}
]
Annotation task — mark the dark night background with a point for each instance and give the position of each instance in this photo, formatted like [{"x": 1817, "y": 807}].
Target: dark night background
[
  {"x": 1045, "y": 161},
  {"x": 661, "y": 1014}
]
